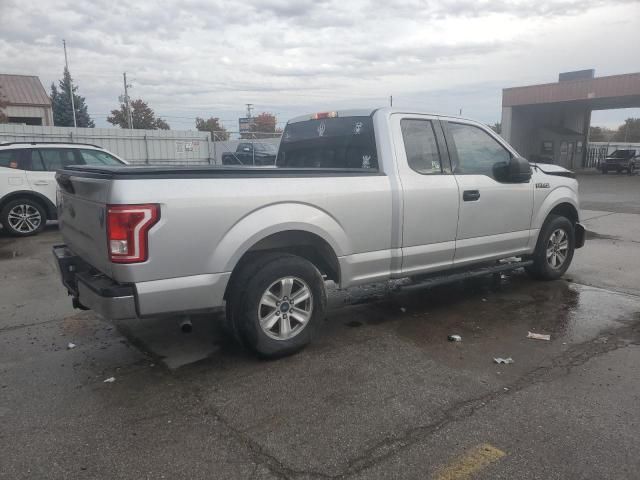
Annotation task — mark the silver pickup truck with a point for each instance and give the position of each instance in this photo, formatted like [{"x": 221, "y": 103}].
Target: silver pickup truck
[{"x": 355, "y": 197}]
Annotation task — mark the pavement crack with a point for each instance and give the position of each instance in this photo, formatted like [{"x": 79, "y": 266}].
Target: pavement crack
[{"x": 576, "y": 356}]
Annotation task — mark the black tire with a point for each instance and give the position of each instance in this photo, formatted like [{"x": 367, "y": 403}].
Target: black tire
[
  {"x": 25, "y": 229},
  {"x": 244, "y": 300},
  {"x": 541, "y": 268}
]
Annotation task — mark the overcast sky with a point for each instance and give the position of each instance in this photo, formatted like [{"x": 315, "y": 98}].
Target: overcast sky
[{"x": 191, "y": 58}]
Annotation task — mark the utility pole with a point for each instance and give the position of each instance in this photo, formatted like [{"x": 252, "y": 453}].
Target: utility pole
[
  {"x": 66, "y": 64},
  {"x": 249, "y": 108},
  {"x": 127, "y": 105},
  {"x": 391, "y": 100}
]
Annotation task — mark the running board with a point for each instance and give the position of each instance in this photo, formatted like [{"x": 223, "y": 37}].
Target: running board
[{"x": 465, "y": 275}]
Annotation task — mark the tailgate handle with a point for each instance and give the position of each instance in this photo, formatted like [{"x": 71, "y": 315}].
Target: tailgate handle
[
  {"x": 471, "y": 195},
  {"x": 64, "y": 181}
]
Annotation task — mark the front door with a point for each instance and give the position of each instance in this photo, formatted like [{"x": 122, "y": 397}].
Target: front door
[
  {"x": 430, "y": 194},
  {"x": 495, "y": 216}
]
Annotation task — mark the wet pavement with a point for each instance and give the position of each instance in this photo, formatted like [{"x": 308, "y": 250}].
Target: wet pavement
[{"x": 381, "y": 393}]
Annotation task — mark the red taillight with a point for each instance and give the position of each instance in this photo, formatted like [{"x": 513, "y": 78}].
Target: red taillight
[
  {"x": 127, "y": 228},
  {"x": 318, "y": 116}
]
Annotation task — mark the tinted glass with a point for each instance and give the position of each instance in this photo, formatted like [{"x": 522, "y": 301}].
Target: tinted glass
[
  {"x": 57, "y": 159},
  {"x": 622, "y": 154},
  {"x": 421, "y": 146},
  {"x": 478, "y": 152},
  {"x": 9, "y": 158},
  {"x": 35, "y": 162},
  {"x": 341, "y": 142},
  {"x": 96, "y": 157}
]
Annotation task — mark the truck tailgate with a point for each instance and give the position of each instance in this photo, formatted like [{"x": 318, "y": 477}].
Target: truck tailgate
[{"x": 81, "y": 215}]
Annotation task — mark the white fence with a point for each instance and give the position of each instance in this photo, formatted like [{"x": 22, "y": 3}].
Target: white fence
[
  {"x": 168, "y": 147},
  {"x": 597, "y": 151}
]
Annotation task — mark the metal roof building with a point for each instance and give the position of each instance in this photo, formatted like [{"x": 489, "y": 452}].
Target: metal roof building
[
  {"x": 550, "y": 122},
  {"x": 28, "y": 102}
]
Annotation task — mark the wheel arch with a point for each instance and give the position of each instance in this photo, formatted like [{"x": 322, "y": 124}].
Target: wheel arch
[
  {"x": 49, "y": 207},
  {"x": 561, "y": 201}
]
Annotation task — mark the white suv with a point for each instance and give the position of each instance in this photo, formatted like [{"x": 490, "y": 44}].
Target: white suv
[{"x": 28, "y": 184}]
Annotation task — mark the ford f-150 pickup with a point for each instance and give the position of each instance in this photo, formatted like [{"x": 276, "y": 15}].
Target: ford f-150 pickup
[{"x": 355, "y": 197}]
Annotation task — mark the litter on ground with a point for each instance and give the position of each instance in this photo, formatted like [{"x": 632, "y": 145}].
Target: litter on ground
[
  {"x": 503, "y": 360},
  {"x": 110, "y": 380},
  {"x": 454, "y": 338},
  {"x": 538, "y": 336},
  {"x": 71, "y": 345}
]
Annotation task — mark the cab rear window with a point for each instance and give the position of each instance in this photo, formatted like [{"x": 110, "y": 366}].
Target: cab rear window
[{"x": 339, "y": 142}]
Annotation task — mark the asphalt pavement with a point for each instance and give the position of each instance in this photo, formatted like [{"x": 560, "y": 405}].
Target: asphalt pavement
[{"x": 381, "y": 393}]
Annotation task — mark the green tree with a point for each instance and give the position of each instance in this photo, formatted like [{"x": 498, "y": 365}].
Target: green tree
[
  {"x": 263, "y": 126},
  {"x": 600, "y": 134},
  {"x": 61, "y": 103},
  {"x": 212, "y": 124},
  {"x": 629, "y": 131},
  {"x": 143, "y": 117}
]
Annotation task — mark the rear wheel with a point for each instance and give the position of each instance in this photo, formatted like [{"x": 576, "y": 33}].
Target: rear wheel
[
  {"x": 23, "y": 217},
  {"x": 278, "y": 302},
  {"x": 554, "y": 249}
]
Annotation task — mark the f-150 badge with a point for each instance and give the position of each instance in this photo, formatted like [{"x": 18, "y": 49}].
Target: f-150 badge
[{"x": 542, "y": 185}]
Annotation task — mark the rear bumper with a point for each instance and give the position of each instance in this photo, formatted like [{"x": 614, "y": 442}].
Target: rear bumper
[
  {"x": 116, "y": 301},
  {"x": 94, "y": 291}
]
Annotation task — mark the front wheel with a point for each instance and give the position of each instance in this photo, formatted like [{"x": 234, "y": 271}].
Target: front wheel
[
  {"x": 279, "y": 305},
  {"x": 554, "y": 249},
  {"x": 23, "y": 217}
]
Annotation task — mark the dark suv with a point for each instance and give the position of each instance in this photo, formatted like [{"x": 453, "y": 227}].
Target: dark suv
[{"x": 620, "y": 160}]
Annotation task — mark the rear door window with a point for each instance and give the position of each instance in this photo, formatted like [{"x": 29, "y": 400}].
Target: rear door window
[
  {"x": 336, "y": 143},
  {"x": 57, "y": 158},
  {"x": 421, "y": 146},
  {"x": 9, "y": 158}
]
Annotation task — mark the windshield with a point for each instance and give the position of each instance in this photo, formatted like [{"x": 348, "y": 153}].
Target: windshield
[
  {"x": 339, "y": 142},
  {"x": 622, "y": 154},
  {"x": 266, "y": 148}
]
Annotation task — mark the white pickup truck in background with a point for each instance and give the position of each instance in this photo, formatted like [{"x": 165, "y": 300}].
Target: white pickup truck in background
[{"x": 356, "y": 197}]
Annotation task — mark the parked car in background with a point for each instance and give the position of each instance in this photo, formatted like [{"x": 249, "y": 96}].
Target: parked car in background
[
  {"x": 620, "y": 160},
  {"x": 259, "y": 154},
  {"x": 356, "y": 197},
  {"x": 28, "y": 184}
]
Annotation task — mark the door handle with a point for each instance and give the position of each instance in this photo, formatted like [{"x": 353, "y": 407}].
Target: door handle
[
  {"x": 471, "y": 195},
  {"x": 41, "y": 182}
]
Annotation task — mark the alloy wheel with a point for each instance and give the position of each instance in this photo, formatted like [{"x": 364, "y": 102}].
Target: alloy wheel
[
  {"x": 285, "y": 308},
  {"x": 24, "y": 218}
]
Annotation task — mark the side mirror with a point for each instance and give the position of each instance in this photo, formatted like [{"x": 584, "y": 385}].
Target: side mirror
[{"x": 519, "y": 170}]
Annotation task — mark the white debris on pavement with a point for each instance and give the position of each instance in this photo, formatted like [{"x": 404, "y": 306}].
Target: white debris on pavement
[
  {"x": 454, "y": 338},
  {"x": 71, "y": 345},
  {"x": 110, "y": 380},
  {"x": 503, "y": 360},
  {"x": 403, "y": 310},
  {"x": 538, "y": 336}
]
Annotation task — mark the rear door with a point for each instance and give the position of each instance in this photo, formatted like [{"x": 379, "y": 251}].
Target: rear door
[
  {"x": 430, "y": 194},
  {"x": 495, "y": 216},
  {"x": 44, "y": 163},
  {"x": 13, "y": 177}
]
